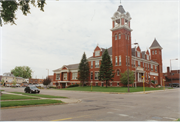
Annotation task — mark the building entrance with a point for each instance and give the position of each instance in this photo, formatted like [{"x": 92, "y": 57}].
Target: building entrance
[{"x": 63, "y": 85}]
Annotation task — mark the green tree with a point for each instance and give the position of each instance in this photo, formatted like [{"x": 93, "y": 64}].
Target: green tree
[
  {"x": 22, "y": 71},
  {"x": 46, "y": 81},
  {"x": 124, "y": 77},
  {"x": 14, "y": 82},
  {"x": 106, "y": 72},
  {"x": 83, "y": 70},
  {"x": 2, "y": 82},
  {"x": 9, "y": 7}
]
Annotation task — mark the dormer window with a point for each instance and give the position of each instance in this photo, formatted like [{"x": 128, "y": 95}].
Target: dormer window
[
  {"x": 138, "y": 54},
  {"x": 115, "y": 37},
  {"x": 126, "y": 22},
  {"x": 97, "y": 53},
  {"x": 119, "y": 36},
  {"x": 147, "y": 57}
]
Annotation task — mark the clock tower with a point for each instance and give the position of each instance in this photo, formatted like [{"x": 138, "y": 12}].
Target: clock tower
[{"x": 121, "y": 41}]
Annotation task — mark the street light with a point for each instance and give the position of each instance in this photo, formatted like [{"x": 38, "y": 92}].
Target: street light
[
  {"x": 48, "y": 71},
  {"x": 128, "y": 64},
  {"x": 171, "y": 70}
]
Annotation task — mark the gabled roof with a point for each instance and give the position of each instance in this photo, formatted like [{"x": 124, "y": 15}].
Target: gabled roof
[
  {"x": 143, "y": 54},
  {"x": 109, "y": 50},
  {"x": 72, "y": 66},
  {"x": 155, "y": 44},
  {"x": 121, "y": 9},
  {"x": 133, "y": 51}
]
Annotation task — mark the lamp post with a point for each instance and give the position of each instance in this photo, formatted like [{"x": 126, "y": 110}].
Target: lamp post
[
  {"x": 48, "y": 71},
  {"x": 149, "y": 81},
  {"x": 128, "y": 64},
  {"x": 171, "y": 70}
]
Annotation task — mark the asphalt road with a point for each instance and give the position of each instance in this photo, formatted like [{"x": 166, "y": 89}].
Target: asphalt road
[{"x": 94, "y": 106}]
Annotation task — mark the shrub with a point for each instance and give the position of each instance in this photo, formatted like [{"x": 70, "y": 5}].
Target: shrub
[
  {"x": 153, "y": 81},
  {"x": 53, "y": 87},
  {"x": 75, "y": 85}
]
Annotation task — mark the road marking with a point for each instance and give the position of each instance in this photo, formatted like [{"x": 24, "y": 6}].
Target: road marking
[
  {"x": 123, "y": 115},
  {"x": 62, "y": 119},
  {"x": 70, "y": 118},
  {"x": 151, "y": 120},
  {"x": 169, "y": 118}
]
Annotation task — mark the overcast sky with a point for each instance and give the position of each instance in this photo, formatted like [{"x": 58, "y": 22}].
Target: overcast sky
[{"x": 59, "y": 35}]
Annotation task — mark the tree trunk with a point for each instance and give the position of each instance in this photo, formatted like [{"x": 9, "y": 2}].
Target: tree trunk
[{"x": 83, "y": 84}]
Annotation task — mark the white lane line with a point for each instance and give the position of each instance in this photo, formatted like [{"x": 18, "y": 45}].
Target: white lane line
[
  {"x": 123, "y": 115},
  {"x": 169, "y": 118},
  {"x": 151, "y": 120}
]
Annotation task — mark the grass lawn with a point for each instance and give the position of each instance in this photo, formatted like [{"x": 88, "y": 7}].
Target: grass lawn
[
  {"x": 15, "y": 97},
  {"x": 39, "y": 95},
  {"x": 28, "y": 102},
  {"x": 2, "y": 90},
  {"x": 110, "y": 89}
]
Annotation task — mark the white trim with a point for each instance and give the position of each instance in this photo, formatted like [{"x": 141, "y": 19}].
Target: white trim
[
  {"x": 63, "y": 81},
  {"x": 73, "y": 70},
  {"x": 154, "y": 73}
]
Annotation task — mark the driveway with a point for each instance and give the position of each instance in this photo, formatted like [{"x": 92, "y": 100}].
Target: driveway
[{"x": 95, "y": 106}]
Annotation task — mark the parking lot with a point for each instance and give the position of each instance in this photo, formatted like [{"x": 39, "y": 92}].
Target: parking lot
[{"x": 95, "y": 106}]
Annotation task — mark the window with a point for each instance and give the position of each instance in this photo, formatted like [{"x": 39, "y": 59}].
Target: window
[
  {"x": 91, "y": 64},
  {"x": 111, "y": 84},
  {"x": 155, "y": 51},
  {"x": 138, "y": 54},
  {"x": 152, "y": 52},
  {"x": 96, "y": 84},
  {"x": 97, "y": 64},
  {"x": 143, "y": 64},
  {"x": 132, "y": 63},
  {"x": 71, "y": 83},
  {"x": 119, "y": 36},
  {"x": 147, "y": 57},
  {"x": 128, "y": 37},
  {"x": 115, "y": 37},
  {"x": 118, "y": 84},
  {"x": 97, "y": 53},
  {"x": 96, "y": 75},
  {"x": 116, "y": 60},
  {"x": 139, "y": 63},
  {"x": 65, "y": 76},
  {"x": 146, "y": 66},
  {"x": 151, "y": 67},
  {"x": 91, "y": 75},
  {"x": 119, "y": 60},
  {"x": 117, "y": 72},
  {"x": 128, "y": 60},
  {"x": 156, "y": 68},
  {"x": 74, "y": 75}
]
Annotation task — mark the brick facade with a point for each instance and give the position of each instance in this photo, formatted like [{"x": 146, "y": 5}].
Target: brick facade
[{"x": 123, "y": 56}]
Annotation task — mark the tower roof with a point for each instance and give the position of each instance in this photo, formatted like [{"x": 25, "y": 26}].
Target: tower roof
[
  {"x": 155, "y": 44},
  {"x": 121, "y": 9}
]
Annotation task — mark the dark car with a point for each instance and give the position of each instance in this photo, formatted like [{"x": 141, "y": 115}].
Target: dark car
[
  {"x": 174, "y": 84},
  {"x": 31, "y": 89}
]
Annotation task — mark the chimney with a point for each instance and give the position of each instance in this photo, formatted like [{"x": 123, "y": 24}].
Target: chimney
[{"x": 167, "y": 70}]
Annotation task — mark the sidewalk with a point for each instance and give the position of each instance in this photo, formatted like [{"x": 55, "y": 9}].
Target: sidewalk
[{"x": 65, "y": 100}]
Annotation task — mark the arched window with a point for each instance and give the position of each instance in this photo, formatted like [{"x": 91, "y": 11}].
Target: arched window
[
  {"x": 118, "y": 72},
  {"x": 115, "y": 37},
  {"x": 119, "y": 36}
]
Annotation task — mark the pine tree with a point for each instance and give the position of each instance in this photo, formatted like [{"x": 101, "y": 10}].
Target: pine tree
[
  {"x": 83, "y": 70},
  {"x": 124, "y": 78},
  {"x": 106, "y": 69},
  {"x": 46, "y": 81}
]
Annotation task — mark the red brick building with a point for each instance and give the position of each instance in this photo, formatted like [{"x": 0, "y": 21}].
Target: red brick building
[
  {"x": 35, "y": 81},
  {"x": 142, "y": 63},
  {"x": 173, "y": 75}
]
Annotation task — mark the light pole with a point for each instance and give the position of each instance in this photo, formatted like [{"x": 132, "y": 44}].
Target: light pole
[
  {"x": 128, "y": 64},
  {"x": 171, "y": 70},
  {"x": 149, "y": 81},
  {"x": 135, "y": 66},
  {"x": 48, "y": 71}
]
